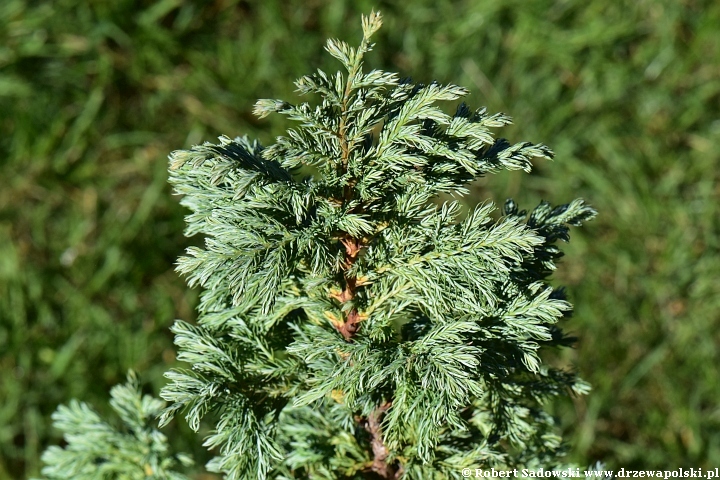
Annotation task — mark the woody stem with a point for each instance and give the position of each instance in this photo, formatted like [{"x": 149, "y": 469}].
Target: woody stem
[{"x": 380, "y": 452}]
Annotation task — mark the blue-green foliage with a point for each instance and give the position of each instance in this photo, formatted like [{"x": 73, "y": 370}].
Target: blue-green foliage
[
  {"x": 98, "y": 450},
  {"x": 334, "y": 225}
]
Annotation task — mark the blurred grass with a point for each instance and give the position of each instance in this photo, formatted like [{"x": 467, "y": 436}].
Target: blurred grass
[{"x": 94, "y": 94}]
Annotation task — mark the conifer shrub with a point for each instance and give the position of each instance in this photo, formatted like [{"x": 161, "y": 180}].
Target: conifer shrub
[{"x": 350, "y": 325}]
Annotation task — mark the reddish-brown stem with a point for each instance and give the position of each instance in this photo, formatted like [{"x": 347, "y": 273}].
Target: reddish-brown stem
[
  {"x": 351, "y": 322},
  {"x": 380, "y": 452}
]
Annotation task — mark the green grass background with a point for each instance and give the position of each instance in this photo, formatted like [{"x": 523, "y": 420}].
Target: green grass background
[{"x": 94, "y": 94}]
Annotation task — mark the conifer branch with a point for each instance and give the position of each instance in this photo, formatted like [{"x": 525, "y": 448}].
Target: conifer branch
[
  {"x": 349, "y": 327},
  {"x": 97, "y": 449},
  {"x": 454, "y": 311}
]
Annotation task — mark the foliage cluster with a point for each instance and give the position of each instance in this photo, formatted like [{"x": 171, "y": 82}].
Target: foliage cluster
[
  {"x": 349, "y": 326},
  {"x": 98, "y": 449},
  {"x": 345, "y": 297}
]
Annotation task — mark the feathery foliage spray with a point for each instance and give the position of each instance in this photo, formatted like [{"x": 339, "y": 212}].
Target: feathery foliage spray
[
  {"x": 348, "y": 326},
  {"x": 347, "y": 323}
]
